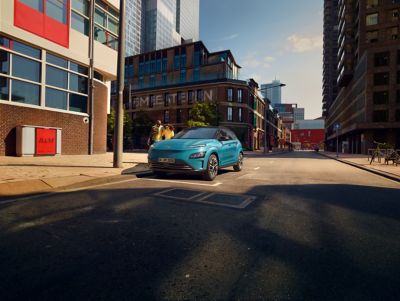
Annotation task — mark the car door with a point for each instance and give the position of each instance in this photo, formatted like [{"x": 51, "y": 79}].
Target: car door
[
  {"x": 224, "y": 152},
  {"x": 233, "y": 147}
]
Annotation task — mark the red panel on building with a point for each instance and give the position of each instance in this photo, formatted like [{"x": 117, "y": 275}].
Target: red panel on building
[
  {"x": 308, "y": 137},
  {"x": 40, "y": 24},
  {"x": 46, "y": 141}
]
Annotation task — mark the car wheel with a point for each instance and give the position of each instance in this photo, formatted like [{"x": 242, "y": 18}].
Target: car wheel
[
  {"x": 160, "y": 174},
  {"x": 212, "y": 168},
  {"x": 239, "y": 165}
]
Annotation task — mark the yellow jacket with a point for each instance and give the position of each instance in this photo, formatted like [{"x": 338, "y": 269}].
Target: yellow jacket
[{"x": 168, "y": 134}]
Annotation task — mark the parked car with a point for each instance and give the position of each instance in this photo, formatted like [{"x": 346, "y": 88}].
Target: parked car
[{"x": 201, "y": 150}]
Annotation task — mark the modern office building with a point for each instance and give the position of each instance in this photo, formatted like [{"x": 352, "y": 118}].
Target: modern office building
[
  {"x": 165, "y": 85},
  {"x": 367, "y": 106},
  {"x": 188, "y": 19},
  {"x": 134, "y": 34},
  {"x": 170, "y": 22},
  {"x": 298, "y": 114},
  {"x": 272, "y": 91},
  {"x": 331, "y": 30},
  {"x": 46, "y": 104}
]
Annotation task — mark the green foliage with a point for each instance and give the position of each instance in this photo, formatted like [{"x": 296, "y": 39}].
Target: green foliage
[
  {"x": 203, "y": 114},
  {"x": 385, "y": 145},
  {"x": 128, "y": 125}
]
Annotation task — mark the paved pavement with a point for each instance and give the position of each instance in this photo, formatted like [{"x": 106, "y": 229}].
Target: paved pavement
[
  {"x": 316, "y": 229},
  {"x": 22, "y": 175},
  {"x": 362, "y": 161}
]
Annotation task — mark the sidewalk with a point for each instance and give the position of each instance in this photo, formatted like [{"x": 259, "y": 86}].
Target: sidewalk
[
  {"x": 361, "y": 161},
  {"x": 22, "y": 175}
]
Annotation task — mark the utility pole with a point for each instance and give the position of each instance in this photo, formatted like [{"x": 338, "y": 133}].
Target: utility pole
[
  {"x": 119, "y": 111},
  {"x": 91, "y": 77}
]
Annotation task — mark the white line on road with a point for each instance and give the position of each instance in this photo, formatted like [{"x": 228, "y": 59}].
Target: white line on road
[
  {"x": 33, "y": 197},
  {"x": 182, "y": 182},
  {"x": 257, "y": 168}
]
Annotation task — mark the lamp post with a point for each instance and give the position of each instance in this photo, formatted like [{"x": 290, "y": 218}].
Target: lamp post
[
  {"x": 119, "y": 110},
  {"x": 266, "y": 107}
]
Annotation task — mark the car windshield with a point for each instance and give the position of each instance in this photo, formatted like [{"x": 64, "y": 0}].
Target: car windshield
[{"x": 197, "y": 133}]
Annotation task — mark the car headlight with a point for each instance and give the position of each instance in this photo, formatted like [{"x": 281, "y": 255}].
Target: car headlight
[{"x": 197, "y": 155}]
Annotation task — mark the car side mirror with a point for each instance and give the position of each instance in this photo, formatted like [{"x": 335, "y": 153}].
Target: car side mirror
[{"x": 223, "y": 138}]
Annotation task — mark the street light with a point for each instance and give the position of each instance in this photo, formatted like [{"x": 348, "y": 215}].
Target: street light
[{"x": 265, "y": 115}]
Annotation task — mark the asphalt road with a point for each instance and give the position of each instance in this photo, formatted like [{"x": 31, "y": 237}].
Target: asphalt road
[{"x": 294, "y": 226}]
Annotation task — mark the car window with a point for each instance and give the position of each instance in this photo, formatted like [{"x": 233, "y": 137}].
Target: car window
[
  {"x": 231, "y": 135},
  {"x": 223, "y": 134},
  {"x": 197, "y": 133}
]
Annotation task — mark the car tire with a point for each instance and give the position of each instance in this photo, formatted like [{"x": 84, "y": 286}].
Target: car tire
[
  {"x": 212, "y": 168},
  {"x": 239, "y": 165}
]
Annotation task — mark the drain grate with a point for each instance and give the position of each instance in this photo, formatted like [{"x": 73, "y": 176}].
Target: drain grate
[
  {"x": 180, "y": 194},
  {"x": 238, "y": 201}
]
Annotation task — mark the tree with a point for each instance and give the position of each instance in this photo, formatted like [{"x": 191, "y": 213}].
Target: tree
[
  {"x": 203, "y": 114},
  {"x": 127, "y": 129}
]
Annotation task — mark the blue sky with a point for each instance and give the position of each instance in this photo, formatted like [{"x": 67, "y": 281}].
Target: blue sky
[{"x": 269, "y": 38}]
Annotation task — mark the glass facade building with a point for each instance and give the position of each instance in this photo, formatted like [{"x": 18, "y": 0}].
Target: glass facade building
[
  {"x": 134, "y": 27},
  {"x": 272, "y": 91}
]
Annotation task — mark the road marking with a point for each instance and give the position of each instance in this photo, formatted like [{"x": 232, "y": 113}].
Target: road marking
[
  {"x": 257, "y": 168},
  {"x": 33, "y": 197},
  {"x": 182, "y": 182}
]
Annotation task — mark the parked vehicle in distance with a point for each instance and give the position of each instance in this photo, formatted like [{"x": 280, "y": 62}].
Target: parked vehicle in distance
[{"x": 201, "y": 150}]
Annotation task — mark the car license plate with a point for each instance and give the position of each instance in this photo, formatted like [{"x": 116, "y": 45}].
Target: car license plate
[{"x": 166, "y": 160}]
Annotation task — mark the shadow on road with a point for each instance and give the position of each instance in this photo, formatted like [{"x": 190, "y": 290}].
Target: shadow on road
[{"x": 324, "y": 242}]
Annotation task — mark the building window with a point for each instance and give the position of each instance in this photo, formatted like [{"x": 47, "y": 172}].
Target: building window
[
  {"x": 106, "y": 25},
  {"x": 152, "y": 80},
  {"x": 398, "y": 77},
  {"x": 196, "y": 74},
  {"x": 230, "y": 94},
  {"x": 25, "y": 92},
  {"x": 382, "y": 58},
  {"x": 164, "y": 64},
  {"x": 4, "y": 88},
  {"x": 381, "y": 98},
  {"x": 372, "y": 19},
  {"x": 394, "y": 33},
  {"x": 164, "y": 78},
  {"x": 240, "y": 95},
  {"x": 166, "y": 116},
  {"x": 35, "y": 4},
  {"x": 182, "y": 77},
  {"x": 179, "y": 98},
  {"x": 190, "y": 97},
  {"x": 26, "y": 68},
  {"x": 372, "y": 36},
  {"x": 381, "y": 78},
  {"x": 380, "y": 116},
  {"x": 395, "y": 14},
  {"x": 372, "y": 3},
  {"x": 397, "y": 115},
  {"x": 240, "y": 114},
  {"x": 200, "y": 95},
  {"x": 57, "y": 9},
  {"x": 179, "y": 116},
  {"x": 398, "y": 96},
  {"x": 230, "y": 113}
]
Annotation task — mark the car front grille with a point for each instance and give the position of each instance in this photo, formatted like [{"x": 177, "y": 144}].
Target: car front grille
[{"x": 170, "y": 166}]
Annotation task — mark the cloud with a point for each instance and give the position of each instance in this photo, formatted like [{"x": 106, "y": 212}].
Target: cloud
[
  {"x": 252, "y": 60},
  {"x": 231, "y": 37},
  {"x": 302, "y": 44}
]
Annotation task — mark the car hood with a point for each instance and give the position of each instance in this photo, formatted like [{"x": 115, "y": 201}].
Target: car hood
[{"x": 181, "y": 144}]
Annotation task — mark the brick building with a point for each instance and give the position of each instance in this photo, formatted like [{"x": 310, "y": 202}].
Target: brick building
[
  {"x": 165, "y": 84},
  {"x": 46, "y": 73},
  {"x": 367, "y": 105}
]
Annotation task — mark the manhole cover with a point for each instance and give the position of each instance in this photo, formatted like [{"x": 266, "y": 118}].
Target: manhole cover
[{"x": 180, "y": 194}]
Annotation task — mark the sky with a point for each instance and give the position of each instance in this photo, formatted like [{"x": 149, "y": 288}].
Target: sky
[{"x": 271, "y": 39}]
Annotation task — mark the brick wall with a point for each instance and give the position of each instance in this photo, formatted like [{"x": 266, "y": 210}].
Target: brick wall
[{"x": 74, "y": 131}]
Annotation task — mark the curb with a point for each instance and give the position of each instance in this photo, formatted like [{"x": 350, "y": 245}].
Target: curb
[
  {"x": 374, "y": 171},
  {"x": 36, "y": 187}
]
